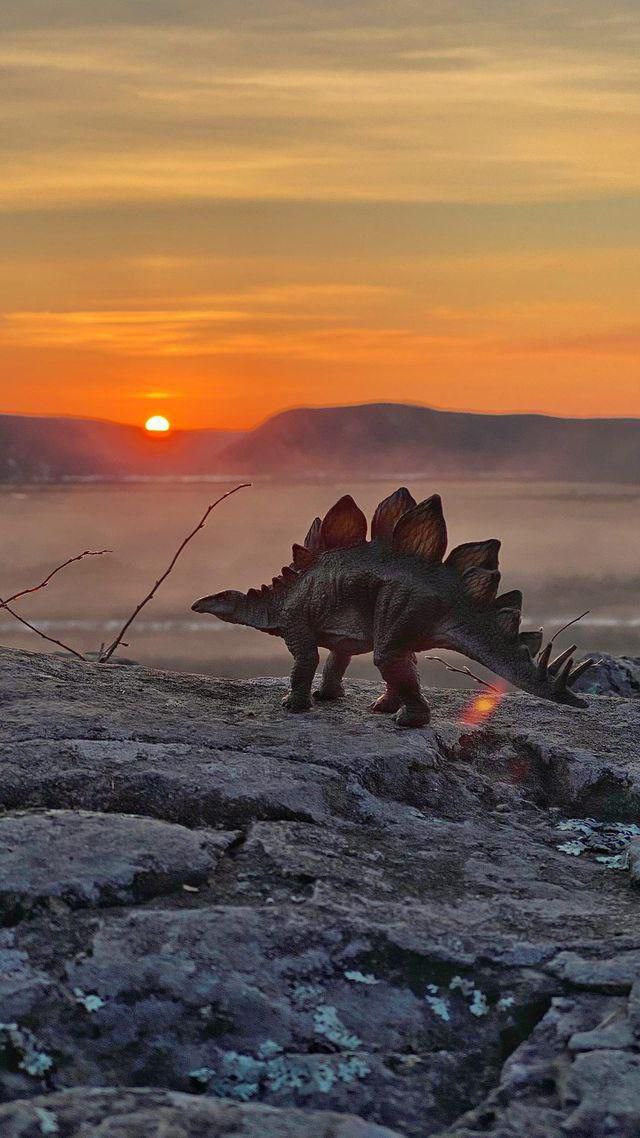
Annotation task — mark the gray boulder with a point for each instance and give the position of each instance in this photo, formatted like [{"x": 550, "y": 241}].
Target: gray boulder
[{"x": 612, "y": 675}]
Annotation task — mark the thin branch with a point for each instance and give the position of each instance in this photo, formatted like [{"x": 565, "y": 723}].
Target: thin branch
[
  {"x": 568, "y": 624},
  {"x": 5, "y": 604},
  {"x": 38, "y": 632},
  {"x": 462, "y": 672},
  {"x": 150, "y": 595},
  {"x": 43, "y": 584}
]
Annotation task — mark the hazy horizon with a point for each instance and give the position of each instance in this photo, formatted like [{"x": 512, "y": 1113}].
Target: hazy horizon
[
  {"x": 548, "y": 549},
  {"x": 319, "y": 407}
]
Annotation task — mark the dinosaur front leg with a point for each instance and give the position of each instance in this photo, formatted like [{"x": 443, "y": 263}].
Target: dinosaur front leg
[
  {"x": 331, "y": 686},
  {"x": 305, "y": 662},
  {"x": 403, "y": 694}
]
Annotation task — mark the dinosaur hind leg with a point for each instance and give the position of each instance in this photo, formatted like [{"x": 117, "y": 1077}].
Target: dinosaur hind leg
[
  {"x": 387, "y": 703},
  {"x": 391, "y": 701},
  {"x": 305, "y": 662},
  {"x": 331, "y": 686},
  {"x": 400, "y": 673}
]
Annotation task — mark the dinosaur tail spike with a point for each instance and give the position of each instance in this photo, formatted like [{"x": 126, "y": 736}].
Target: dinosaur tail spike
[
  {"x": 556, "y": 678},
  {"x": 389, "y": 512},
  {"x": 256, "y": 609}
]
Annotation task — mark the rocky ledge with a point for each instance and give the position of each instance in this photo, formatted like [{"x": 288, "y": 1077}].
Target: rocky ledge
[{"x": 219, "y": 919}]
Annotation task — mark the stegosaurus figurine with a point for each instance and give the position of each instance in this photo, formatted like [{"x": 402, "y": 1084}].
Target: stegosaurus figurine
[{"x": 395, "y": 595}]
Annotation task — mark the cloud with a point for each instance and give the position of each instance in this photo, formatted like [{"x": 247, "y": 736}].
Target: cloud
[
  {"x": 436, "y": 104},
  {"x": 615, "y": 342},
  {"x": 270, "y": 329}
]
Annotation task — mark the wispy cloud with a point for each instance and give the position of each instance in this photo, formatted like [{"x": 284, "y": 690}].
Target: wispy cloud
[
  {"x": 615, "y": 342},
  {"x": 270, "y": 328},
  {"x": 432, "y": 109}
]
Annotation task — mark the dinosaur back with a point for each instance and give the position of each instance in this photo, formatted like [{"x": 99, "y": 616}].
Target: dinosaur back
[{"x": 404, "y": 527}]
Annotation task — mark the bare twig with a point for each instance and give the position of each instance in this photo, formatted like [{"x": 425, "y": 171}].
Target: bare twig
[
  {"x": 462, "y": 672},
  {"x": 38, "y": 632},
  {"x": 5, "y": 604},
  {"x": 43, "y": 584},
  {"x": 150, "y": 595},
  {"x": 568, "y": 624}
]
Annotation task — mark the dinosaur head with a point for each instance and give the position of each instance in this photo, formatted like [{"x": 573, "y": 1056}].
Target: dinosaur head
[
  {"x": 234, "y": 607},
  {"x": 223, "y": 605},
  {"x": 257, "y": 608}
]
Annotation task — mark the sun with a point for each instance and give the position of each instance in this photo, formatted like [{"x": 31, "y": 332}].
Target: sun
[{"x": 157, "y": 425}]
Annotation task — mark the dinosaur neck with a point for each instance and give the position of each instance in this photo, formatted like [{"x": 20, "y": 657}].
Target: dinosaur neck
[{"x": 262, "y": 611}]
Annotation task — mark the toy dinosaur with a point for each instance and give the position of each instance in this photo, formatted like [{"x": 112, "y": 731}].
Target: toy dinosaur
[{"x": 395, "y": 595}]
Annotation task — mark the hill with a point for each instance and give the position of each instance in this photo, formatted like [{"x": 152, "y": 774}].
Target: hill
[
  {"x": 376, "y": 439},
  {"x": 386, "y": 438},
  {"x": 37, "y": 449}
]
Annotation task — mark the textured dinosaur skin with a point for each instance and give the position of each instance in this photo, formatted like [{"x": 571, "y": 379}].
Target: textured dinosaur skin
[{"x": 394, "y": 595}]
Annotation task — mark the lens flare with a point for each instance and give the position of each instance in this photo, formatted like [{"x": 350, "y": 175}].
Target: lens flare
[{"x": 482, "y": 707}]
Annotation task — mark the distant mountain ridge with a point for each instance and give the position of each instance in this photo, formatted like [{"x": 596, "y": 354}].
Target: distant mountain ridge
[
  {"x": 50, "y": 449},
  {"x": 362, "y": 441},
  {"x": 381, "y": 438}
]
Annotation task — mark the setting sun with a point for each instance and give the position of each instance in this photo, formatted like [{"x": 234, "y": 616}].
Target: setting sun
[{"x": 157, "y": 424}]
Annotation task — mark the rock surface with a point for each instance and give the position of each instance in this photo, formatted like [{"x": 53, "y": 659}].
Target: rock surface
[
  {"x": 167, "y": 1114},
  {"x": 612, "y": 675},
  {"x": 87, "y": 858},
  {"x": 276, "y": 923}
]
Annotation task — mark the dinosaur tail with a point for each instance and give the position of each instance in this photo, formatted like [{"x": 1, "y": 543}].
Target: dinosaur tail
[{"x": 546, "y": 678}]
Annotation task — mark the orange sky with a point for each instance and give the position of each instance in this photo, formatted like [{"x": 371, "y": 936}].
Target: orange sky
[{"x": 214, "y": 214}]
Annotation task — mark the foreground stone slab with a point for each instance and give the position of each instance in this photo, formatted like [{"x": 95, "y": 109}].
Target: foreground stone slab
[
  {"x": 404, "y": 927},
  {"x": 133, "y": 1113},
  {"x": 84, "y": 858}
]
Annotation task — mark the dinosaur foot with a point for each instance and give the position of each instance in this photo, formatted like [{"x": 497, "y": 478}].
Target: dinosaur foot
[
  {"x": 296, "y": 702},
  {"x": 326, "y": 694},
  {"x": 385, "y": 705},
  {"x": 413, "y": 717}
]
